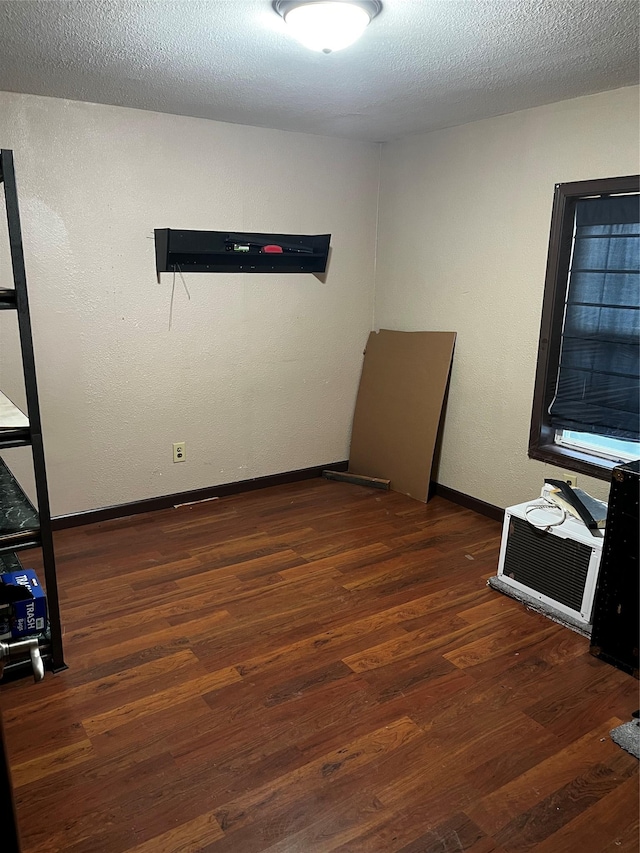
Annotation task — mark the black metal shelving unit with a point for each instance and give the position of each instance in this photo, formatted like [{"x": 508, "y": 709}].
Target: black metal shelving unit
[{"x": 21, "y": 525}]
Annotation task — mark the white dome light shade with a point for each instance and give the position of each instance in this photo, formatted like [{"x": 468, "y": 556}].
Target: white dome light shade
[{"x": 327, "y": 26}]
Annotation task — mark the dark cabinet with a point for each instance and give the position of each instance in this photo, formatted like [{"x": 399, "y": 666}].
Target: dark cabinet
[{"x": 615, "y": 617}]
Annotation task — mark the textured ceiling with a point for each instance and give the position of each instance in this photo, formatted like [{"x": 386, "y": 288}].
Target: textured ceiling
[{"x": 421, "y": 64}]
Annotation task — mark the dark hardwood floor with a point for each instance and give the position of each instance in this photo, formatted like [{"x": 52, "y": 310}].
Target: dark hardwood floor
[{"x": 313, "y": 667}]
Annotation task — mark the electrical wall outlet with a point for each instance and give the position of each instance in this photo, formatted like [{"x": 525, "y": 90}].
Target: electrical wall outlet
[
  {"x": 569, "y": 479},
  {"x": 179, "y": 451}
]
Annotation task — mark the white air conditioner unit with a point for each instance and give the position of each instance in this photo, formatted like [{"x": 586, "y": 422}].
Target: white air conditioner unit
[{"x": 557, "y": 566}]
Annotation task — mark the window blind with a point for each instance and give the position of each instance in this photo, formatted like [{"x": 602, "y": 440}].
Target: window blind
[{"x": 598, "y": 385}]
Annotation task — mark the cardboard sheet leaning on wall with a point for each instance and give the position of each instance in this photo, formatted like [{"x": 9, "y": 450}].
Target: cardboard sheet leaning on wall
[{"x": 398, "y": 408}]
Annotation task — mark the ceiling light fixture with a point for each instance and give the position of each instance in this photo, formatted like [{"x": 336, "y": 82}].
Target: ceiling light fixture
[{"x": 327, "y": 25}]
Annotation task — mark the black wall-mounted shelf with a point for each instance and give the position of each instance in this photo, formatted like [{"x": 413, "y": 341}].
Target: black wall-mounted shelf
[{"x": 239, "y": 251}]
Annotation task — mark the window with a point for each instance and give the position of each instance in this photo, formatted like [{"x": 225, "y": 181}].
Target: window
[{"x": 586, "y": 406}]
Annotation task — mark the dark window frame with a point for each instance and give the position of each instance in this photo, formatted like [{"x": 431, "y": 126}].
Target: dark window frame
[{"x": 542, "y": 444}]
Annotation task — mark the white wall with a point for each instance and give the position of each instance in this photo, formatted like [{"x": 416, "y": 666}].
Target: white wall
[
  {"x": 463, "y": 237},
  {"x": 258, "y": 373}
]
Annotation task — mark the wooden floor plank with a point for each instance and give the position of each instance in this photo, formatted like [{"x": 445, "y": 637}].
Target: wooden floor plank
[
  {"x": 188, "y": 837},
  {"x": 158, "y": 701},
  {"x": 611, "y": 820},
  {"x": 506, "y": 804},
  {"x": 310, "y": 668}
]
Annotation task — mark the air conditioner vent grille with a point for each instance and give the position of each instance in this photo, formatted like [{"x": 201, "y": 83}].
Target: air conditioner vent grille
[{"x": 552, "y": 566}]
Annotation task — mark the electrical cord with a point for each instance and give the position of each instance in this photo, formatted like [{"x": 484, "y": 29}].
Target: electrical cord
[{"x": 545, "y": 505}]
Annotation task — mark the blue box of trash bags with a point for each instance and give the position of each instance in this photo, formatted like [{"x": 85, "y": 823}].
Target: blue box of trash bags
[{"x": 28, "y": 605}]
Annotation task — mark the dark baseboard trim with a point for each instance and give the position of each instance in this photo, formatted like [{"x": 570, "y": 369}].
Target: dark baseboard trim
[
  {"x": 481, "y": 507},
  {"x": 91, "y": 516}
]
